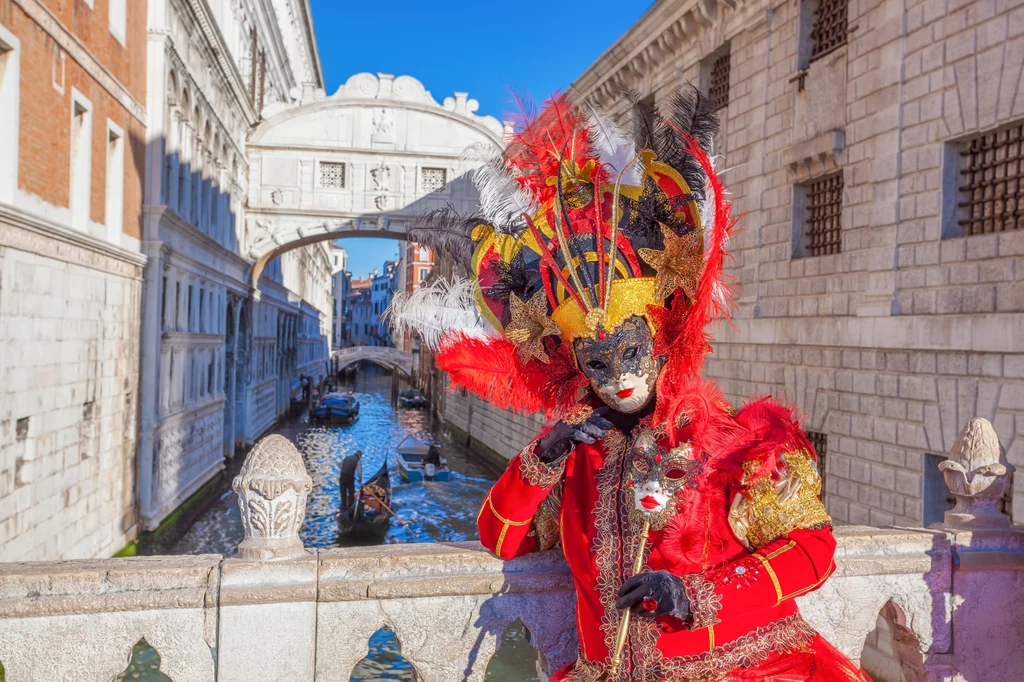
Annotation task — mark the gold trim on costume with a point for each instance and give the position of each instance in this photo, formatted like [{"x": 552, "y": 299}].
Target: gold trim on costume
[
  {"x": 506, "y": 523},
  {"x": 770, "y": 509},
  {"x": 629, "y": 297},
  {"x": 536, "y": 472}
]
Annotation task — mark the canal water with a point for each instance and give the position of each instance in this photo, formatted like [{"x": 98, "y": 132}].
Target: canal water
[{"x": 426, "y": 512}]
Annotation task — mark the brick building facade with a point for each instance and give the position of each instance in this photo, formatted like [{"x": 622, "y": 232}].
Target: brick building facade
[
  {"x": 72, "y": 146},
  {"x": 874, "y": 152}
]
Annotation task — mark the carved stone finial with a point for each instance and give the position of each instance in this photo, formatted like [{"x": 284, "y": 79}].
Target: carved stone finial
[
  {"x": 978, "y": 475},
  {"x": 272, "y": 487}
]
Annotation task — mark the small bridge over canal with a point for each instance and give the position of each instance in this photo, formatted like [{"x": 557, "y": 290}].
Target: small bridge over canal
[{"x": 391, "y": 358}]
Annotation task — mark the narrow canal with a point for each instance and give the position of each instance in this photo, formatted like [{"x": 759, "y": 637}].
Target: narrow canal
[{"x": 426, "y": 512}]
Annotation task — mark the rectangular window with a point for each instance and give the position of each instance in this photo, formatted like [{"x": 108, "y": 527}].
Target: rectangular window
[
  {"x": 433, "y": 180},
  {"x": 202, "y": 310},
  {"x": 10, "y": 89},
  {"x": 163, "y": 304},
  {"x": 819, "y": 441},
  {"x": 818, "y": 213},
  {"x": 332, "y": 175},
  {"x": 829, "y": 30},
  {"x": 118, "y": 19},
  {"x": 81, "y": 160},
  {"x": 937, "y": 498},
  {"x": 177, "y": 305},
  {"x": 718, "y": 78},
  {"x": 189, "y": 322},
  {"x": 115, "y": 183},
  {"x": 990, "y": 189}
]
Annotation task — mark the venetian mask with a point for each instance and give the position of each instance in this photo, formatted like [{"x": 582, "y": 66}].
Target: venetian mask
[
  {"x": 658, "y": 477},
  {"x": 621, "y": 367}
]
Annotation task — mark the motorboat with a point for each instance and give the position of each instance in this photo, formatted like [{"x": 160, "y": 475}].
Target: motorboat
[
  {"x": 412, "y": 466},
  {"x": 370, "y": 517},
  {"x": 335, "y": 408},
  {"x": 412, "y": 397}
]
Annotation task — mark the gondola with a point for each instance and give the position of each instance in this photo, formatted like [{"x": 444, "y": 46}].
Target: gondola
[
  {"x": 371, "y": 516},
  {"x": 335, "y": 408}
]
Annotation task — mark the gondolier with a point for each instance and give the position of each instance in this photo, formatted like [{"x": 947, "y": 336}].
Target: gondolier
[{"x": 351, "y": 469}]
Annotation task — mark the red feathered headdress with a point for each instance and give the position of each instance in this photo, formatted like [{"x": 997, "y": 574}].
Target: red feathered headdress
[{"x": 582, "y": 225}]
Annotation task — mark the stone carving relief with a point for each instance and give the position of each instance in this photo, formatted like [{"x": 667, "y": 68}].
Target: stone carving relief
[
  {"x": 184, "y": 450},
  {"x": 383, "y": 122},
  {"x": 978, "y": 475},
  {"x": 381, "y": 177},
  {"x": 272, "y": 487}
]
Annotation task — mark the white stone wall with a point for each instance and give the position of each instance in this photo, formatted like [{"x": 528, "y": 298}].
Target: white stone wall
[
  {"x": 216, "y": 372},
  {"x": 502, "y": 432},
  {"x": 69, "y": 358},
  {"x": 893, "y": 343}
]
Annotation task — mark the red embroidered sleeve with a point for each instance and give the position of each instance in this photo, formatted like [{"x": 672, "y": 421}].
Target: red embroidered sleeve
[
  {"x": 505, "y": 519},
  {"x": 781, "y": 570}
]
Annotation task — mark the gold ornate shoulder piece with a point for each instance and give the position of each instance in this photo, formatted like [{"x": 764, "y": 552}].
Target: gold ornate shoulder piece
[{"x": 772, "y": 507}]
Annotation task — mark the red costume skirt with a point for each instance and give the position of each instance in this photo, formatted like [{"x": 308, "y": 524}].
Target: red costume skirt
[{"x": 815, "y": 661}]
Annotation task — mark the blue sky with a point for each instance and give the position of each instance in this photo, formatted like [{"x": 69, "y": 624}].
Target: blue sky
[{"x": 487, "y": 49}]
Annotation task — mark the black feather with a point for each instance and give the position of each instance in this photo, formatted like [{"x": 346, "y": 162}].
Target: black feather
[
  {"x": 688, "y": 112},
  {"x": 448, "y": 232}
]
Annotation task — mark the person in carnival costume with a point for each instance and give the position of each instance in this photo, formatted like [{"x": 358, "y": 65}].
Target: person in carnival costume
[{"x": 596, "y": 270}]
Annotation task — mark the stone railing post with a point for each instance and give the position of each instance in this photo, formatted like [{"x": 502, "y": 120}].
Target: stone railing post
[
  {"x": 268, "y": 590},
  {"x": 978, "y": 475},
  {"x": 272, "y": 487}
]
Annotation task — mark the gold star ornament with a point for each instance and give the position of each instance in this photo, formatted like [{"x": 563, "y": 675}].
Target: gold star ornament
[
  {"x": 678, "y": 264},
  {"x": 529, "y": 325}
]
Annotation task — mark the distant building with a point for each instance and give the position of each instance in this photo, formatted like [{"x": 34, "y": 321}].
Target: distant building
[
  {"x": 340, "y": 283},
  {"x": 360, "y": 311},
  {"x": 416, "y": 264},
  {"x": 384, "y": 287}
]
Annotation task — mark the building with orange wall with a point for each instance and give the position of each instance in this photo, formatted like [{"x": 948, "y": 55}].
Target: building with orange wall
[{"x": 72, "y": 147}]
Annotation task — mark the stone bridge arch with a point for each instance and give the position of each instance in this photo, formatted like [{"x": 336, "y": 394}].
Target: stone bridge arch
[
  {"x": 392, "y": 358},
  {"x": 363, "y": 162}
]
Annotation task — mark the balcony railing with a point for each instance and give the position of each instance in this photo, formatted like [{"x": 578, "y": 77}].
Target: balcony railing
[{"x": 910, "y": 603}]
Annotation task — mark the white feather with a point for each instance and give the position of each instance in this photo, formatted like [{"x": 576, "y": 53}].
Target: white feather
[
  {"x": 437, "y": 309},
  {"x": 613, "y": 147},
  {"x": 502, "y": 200}
]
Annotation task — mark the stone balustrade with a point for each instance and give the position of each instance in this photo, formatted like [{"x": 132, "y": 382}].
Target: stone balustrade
[{"x": 945, "y": 598}]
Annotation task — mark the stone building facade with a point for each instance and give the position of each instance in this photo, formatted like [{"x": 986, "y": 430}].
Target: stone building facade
[
  {"x": 219, "y": 360},
  {"x": 873, "y": 152},
  {"x": 72, "y": 139}
]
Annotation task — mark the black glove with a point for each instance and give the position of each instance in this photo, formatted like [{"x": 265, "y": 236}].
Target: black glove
[
  {"x": 562, "y": 438},
  {"x": 661, "y": 588}
]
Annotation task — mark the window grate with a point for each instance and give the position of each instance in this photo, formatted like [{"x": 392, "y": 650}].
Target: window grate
[
  {"x": 433, "y": 179},
  {"x": 830, "y": 28},
  {"x": 991, "y": 181},
  {"x": 718, "y": 86},
  {"x": 819, "y": 441},
  {"x": 825, "y": 215},
  {"x": 332, "y": 175}
]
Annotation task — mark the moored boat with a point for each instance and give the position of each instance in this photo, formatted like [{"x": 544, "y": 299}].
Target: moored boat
[
  {"x": 411, "y": 397},
  {"x": 335, "y": 408},
  {"x": 412, "y": 462},
  {"x": 370, "y": 517}
]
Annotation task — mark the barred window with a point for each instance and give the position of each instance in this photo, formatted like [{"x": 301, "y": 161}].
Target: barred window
[
  {"x": 332, "y": 175},
  {"x": 718, "y": 81},
  {"x": 823, "y": 215},
  {"x": 830, "y": 27},
  {"x": 819, "y": 441},
  {"x": 433, "y": 179},
  {"x": 991, "y": 168}
]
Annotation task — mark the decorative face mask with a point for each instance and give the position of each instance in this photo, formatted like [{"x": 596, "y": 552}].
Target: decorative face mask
[
  {"x": 659, "y": 477},
  {"x": 621, "y": 367}
]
